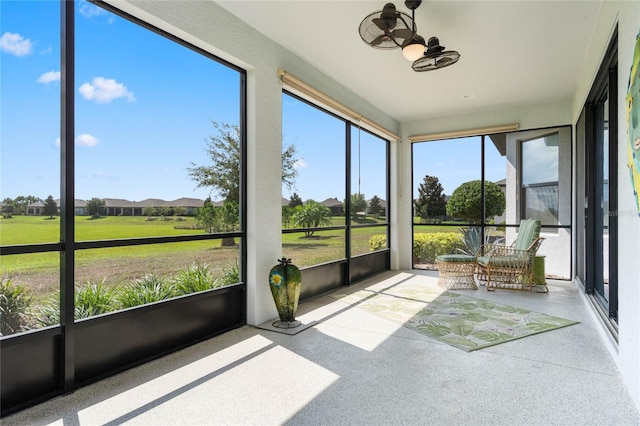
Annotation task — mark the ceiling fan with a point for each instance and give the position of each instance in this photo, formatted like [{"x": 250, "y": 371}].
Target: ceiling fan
[{"x": 391, "y": 29}]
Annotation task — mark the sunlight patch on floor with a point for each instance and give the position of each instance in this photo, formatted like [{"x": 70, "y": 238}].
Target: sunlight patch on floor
[{"x": 165, "y": 388}]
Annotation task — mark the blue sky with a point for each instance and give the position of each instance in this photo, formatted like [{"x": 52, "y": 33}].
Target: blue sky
[
  {"x": 456, "y": 161},
  {"x": 144, "y": 106}
]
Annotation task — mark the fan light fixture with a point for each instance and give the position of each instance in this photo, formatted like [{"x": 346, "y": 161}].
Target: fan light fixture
[
  {"x": 391, "y": 29},
  {"x": 435, "y": 57},
  {"x": 414, "y": 48}
]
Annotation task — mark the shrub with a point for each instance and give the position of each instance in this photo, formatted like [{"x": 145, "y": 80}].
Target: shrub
[
  {"x": 90, "y": 300},
  {"x": 93, "y": 299},
  {"x": 15, "y": 300},
  {"x": 426, "y": 246},
  {"x": 48, "y": 312},
  {"x": 197, "y": 277},
  {"x": 377, "y": 242},
  {"x": 148, "y": 289},
  {"x": 230, "y": 275}
]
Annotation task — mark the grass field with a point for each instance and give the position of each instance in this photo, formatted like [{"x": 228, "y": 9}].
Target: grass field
[{"x": 40, "y": 271}]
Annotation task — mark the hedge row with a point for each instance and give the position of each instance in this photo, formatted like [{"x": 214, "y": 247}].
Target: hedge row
[{"x": 426, "y": 246}]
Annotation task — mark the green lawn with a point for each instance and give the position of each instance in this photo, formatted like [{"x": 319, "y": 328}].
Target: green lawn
[
  {"x": 40, "y": 270},
  {"x": 38, "y": 229}
]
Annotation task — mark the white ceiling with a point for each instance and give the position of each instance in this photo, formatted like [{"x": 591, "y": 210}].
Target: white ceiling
[{"x": 512, "y": 52}]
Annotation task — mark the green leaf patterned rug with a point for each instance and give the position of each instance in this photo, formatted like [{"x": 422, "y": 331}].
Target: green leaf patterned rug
[{"x": 465, "y": 322}]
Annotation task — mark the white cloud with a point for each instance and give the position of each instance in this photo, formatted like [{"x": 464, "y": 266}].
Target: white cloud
[
  {"x": 104, "y": 90},
  {"x": 49, "y": 77},
  {"x": 104, "y": 175},
  {"x": 300, "y": 164},
  {"x": 15, "y": 44},
  {"x": 86, "y": 139},
  {"x": 89, "y": 10}
]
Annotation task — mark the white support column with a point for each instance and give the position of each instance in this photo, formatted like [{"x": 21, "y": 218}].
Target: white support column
[
  {"x": 264, "y": 191},
  {"x": 401, "y": 203}
]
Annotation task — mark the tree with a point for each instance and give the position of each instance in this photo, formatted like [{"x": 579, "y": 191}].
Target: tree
[
  {"x": 375, "y": 207},
  {"x": 50, "y": 207},
  {"x": 295, "y": 200},
  {"x": 466, "y": 201},
  {"x": 287, "y": 215},
  {"x": 7, "y": 207},
  {"x": 358, "y": 205},
  {"x": 311, "y": 215},
  {"x": 227, "y": 217},
  {"x": 431, "y": 201},
  {"x": 150, "y": 211},
  {"x": 207, "y": 215},
  {"x": 21, "y": 202},
  {"x": 223, "y": 176},
  {"x": 95, "y": 207}
]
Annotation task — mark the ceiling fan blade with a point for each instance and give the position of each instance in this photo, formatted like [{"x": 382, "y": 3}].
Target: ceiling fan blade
[
  {"x": 403, "y": 33},
  {"x": 381, "y": 24},
  {"x": 443, "y": 61},
  {"x": 378, "y": 40}
]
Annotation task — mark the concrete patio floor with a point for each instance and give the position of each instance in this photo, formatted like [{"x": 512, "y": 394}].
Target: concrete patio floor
[{"x": 355, "y": 368}]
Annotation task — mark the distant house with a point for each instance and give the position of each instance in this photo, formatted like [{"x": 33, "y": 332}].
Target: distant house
[
  {"x": 190, "y": 205},
  {"x": 121, "y": 207},
  {"x": 336, "y": 207},
  {"x": 35, "y": 209}
]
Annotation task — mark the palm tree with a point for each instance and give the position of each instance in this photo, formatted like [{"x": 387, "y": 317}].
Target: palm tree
[{"x": 311, "y": 215}]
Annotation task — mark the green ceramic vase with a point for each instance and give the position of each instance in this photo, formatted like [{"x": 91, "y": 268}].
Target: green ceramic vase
[{"x": 285, "y": 281}]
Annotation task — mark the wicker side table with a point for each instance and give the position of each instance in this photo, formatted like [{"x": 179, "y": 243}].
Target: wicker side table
[{"x": 456, "y": 271}]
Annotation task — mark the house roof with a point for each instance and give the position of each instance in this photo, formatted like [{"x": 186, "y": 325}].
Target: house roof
[
  {"x": 149, "y": 202},
  {"x": 332, "y": 202}
]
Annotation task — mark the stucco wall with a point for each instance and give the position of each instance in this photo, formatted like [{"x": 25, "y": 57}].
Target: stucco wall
[
  {"x": 628, "y": 218},
  {"x": 626, "y": 15}
]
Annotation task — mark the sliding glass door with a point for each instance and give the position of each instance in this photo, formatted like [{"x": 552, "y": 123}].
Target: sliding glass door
[{"x": 597, "y": 151}]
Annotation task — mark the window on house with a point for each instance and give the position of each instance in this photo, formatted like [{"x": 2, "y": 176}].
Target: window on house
[{"x": 540, "y": 184}]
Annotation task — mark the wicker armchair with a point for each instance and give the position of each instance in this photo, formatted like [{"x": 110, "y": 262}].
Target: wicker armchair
[{"x": 511, "y": 267}]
